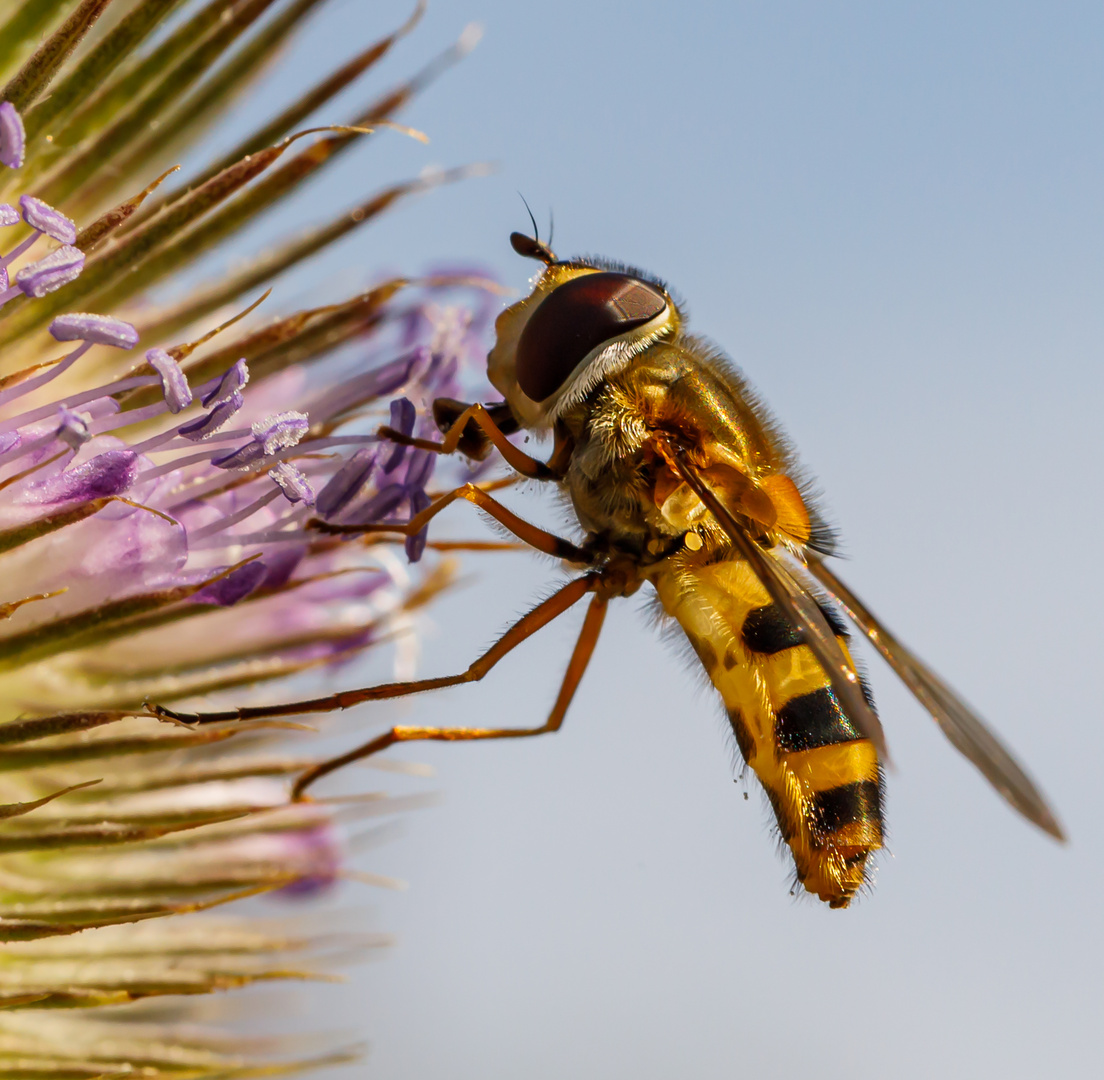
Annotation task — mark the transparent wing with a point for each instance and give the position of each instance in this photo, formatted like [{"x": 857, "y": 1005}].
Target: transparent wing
[
  {"x": 967, "y": 732},
  {"x": 794, "y": 599}
]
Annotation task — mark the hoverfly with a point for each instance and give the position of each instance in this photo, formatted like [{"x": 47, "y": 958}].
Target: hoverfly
[{"x": 681, "y": 481}]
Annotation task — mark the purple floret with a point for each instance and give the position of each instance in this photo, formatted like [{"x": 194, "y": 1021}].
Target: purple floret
[
  {"x": 174, "y": 384},
  {"x": 232, "y": 381},
  {"x": 347, "y": 482},
  {"x": 57, "y": 269},
  {"x": 97, "y": 329},
  {"x": 109, "y": 473},
  {"x": 11, "y": 136},
  {"x": 210, "y": 423},
  {"x": 295, "y": 486},
  {"x": 45, "y": 219}
]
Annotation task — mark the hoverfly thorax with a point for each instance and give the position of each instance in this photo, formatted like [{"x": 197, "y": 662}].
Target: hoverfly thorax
[{"x": 582, "y": 324}]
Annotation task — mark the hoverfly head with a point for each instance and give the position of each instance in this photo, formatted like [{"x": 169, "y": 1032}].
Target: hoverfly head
[{"x": 583, "y": 322}]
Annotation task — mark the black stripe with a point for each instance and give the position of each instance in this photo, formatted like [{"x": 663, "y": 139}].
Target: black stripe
[
  {"x": 706, "y": 653},
  {"x": 787, "y": 829},
  {"x": 768, "y": 630},
  {"x": 847, "y": 805},
  {"x": 743, "y": 736},
  {"x": 811, "y": 720}
]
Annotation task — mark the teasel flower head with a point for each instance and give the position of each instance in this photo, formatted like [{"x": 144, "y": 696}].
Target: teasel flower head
[{"x": 161, "y": 463}]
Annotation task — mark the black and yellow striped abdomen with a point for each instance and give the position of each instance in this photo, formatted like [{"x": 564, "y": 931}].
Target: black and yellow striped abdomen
[{"x": 821, "y": 776}]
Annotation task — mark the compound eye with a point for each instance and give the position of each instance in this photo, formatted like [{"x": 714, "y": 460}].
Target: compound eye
[{"x": 575, "y": 319}]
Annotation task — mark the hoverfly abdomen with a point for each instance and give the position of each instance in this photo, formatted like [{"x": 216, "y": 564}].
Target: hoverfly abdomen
[{"x": 820, "y": 775}]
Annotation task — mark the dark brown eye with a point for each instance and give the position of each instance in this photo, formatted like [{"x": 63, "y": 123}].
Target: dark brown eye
[{"x": 577, "y": 317}]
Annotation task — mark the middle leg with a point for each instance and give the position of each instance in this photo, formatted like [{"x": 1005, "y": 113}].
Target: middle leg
[
  {"x": 477, "y": 414},
  {"x": 524, "y": 628},
  {"x": 580, "y": 658},
  {"x": 535, "y": 537}
]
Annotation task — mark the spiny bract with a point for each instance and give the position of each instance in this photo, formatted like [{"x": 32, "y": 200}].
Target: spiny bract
[{"x": 159, "y": 464}]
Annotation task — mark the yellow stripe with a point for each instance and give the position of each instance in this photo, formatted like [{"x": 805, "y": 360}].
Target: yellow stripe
[
  {"x": 827, "y": 767},
  {"x": 865, "y": 835},
  {"x": 791, "y": 673}
]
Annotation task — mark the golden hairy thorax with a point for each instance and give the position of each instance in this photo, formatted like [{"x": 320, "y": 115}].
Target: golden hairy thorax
[{"x": 620, "y": 487}]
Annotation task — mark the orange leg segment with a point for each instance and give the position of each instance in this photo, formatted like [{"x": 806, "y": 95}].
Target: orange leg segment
[
  {"x": 525, "y": 627},
  {"x": 517, "y": 459},
  {"x": 536, "y": 538},
  {"x": 580, "y": 658}
]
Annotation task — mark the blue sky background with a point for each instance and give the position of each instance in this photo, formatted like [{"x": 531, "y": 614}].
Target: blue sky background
[{"x": 891, "y": 217}]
